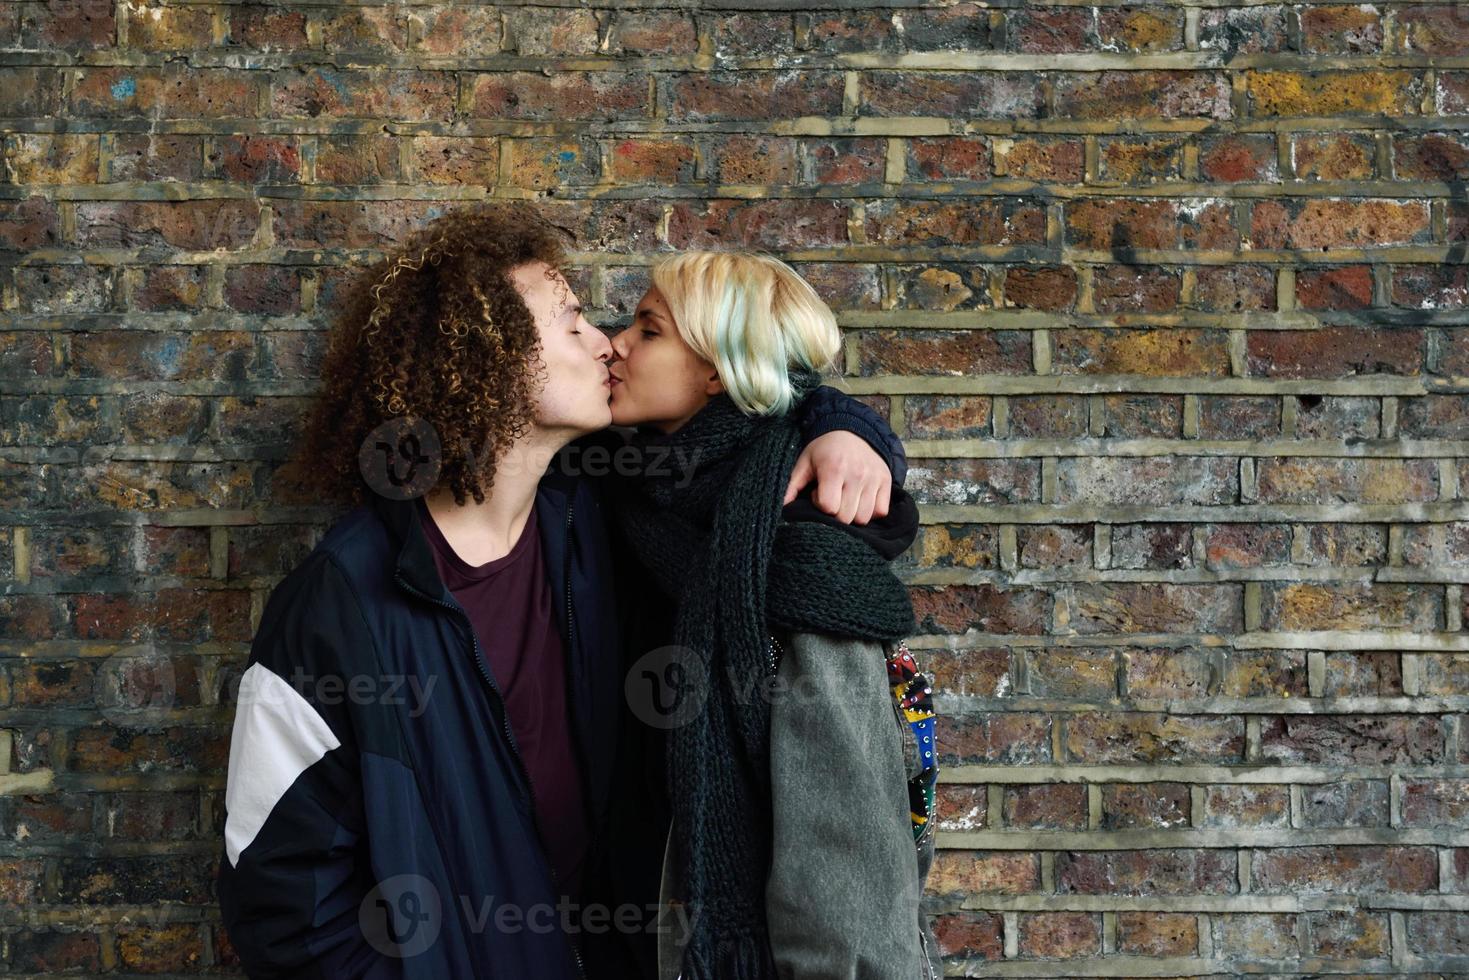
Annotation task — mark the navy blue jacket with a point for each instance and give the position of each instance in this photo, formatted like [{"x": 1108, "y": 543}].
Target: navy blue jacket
[{"x": 379, "y": 822}]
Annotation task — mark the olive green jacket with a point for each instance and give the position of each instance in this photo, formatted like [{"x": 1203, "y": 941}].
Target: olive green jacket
[{"x": 842, "y": 897}]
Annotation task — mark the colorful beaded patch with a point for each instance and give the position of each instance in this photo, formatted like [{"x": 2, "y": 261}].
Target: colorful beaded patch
[{"x": 914, "y": 693}]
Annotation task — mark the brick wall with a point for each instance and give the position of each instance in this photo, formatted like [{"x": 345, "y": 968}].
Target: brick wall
[{"x": 1168, "y": 302}]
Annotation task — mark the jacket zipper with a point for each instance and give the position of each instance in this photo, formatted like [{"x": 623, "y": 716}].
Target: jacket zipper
[
  {"x": 514, "y": 748},
  {"x": 575, "y": 743}
]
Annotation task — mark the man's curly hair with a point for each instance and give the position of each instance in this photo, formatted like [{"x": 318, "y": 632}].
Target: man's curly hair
[{"x": 434, "y": 330}]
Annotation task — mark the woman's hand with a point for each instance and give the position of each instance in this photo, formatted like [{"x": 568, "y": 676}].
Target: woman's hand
[{"x": 853, "y": 483}]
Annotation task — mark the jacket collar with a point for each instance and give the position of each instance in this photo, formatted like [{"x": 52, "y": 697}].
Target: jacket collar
[{"x": 413, "y": 560}]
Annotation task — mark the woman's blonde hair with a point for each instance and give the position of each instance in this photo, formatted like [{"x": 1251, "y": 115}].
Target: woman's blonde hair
[{"x": 754, "y": 318}]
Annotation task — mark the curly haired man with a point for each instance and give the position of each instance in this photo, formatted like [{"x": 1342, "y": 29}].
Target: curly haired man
[{"x": 425, "y": 753}]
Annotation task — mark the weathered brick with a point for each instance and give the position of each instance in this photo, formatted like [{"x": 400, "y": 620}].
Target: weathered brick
[
  {"x": 1332, "y": 156},
  {"x": 1147, "y": 805},
  {"x": 1328, "y": 93},
  {"x": 951, "y": 352},
  {"x": 1338, "y": 417},
  {"x": 1438, "y": 933},
  {"x": 55, "y": 951},
  {"x": 1341, "y": 29},
  {"x": 1426, "y": 29},
  {"x": 1234, "y": 806},
  {"x": 962, "y": 807},
  {"x": 1152, "y": 546},
  {"x": 549, "y": 31},
  {"x": 1142, "y": 416},
  {"x": 1157, "y": 480},
  {"x": 758, "y": 224},
  {"x": 949, "y": 95},
  {"x": 1060, "y": 935},
  {"x": 1348, "y": 739},
  {"x": 1112, "y": 737},
  {"x": 1317, "y": 480},
  {"x": 1350, "y": 673},
  {"x": 1344, "y": 870},
  {"x": 1157, "y": 933},
  {"x": 1059, "y": 546},
  {"x": 1166, "y": 673},
  {"x": 1009, "y": 737},
  {"x": 1238, "y": 157},
  {"x": 1308, "y": 606},
  {"x": 1153, "y": 608},
  {"x": 1351, "y": 803},
  {"x": 1140, "y": 161},
  {"x": 984, "y": 872},
  {"x": 1143, "y": 95},
  {"x": 1135, "y": 289},
  {"x": 69, "y": 25},
  {"x": 1235, "y": 288},
  {"x": 1345, "y": 544},
  {"x": 1324, "y": 224},
  {"x": 976, "y": 935},
  {"x": 960, "y": 608},
  {"x": 1347, "y": 933},
  {"x": 947, "y": 416},
  {"x": 1158, "y": 872},
  {"x": 1257, "y": 935},
  {"x": 1226, "y": 417},
  {"x": 752, "y": 95},
  {"x": 1171, "y": 352},
  {"x": 1059, "y": 672},
  {"x": 1060, "y": 806},
  {"x": 1247, "y": 545},
  {"x": 562, "y": 95},
  {"x": 1263, "y": 674}
]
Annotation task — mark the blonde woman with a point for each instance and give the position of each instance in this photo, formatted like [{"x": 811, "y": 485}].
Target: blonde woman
[{"x": 791, "y": 850}]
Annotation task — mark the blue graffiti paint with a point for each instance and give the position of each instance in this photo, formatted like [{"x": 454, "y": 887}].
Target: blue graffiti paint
[{"x": 124, "y": 89}]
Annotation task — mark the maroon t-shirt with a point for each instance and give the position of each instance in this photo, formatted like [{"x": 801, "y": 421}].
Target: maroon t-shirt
[{"x": 509, "y": 606}]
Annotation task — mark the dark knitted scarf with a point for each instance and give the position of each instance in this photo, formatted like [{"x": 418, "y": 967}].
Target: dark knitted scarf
[{"x": 712, "y": 537}]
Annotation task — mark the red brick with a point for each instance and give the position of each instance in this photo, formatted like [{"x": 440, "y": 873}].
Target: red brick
[
  {"x": 959, "y": 608},
  {"x": 120, "y": 92},
  {"x": 1060, "y": 935},
  {"x": 984, "y": 872},
  {"x": 1159, "y": 872},
  {"x": 1068, "y": 673},
  {"x": 572, "y": 95},
  {"x": 950, "y": 95},
  {"x": 1341, "y": 29},
  {"x": 1098, "y": 738},
  {"x": 1143, "y": 95},
  {"x": 977, "y": 935},
  {"x": 1158, "y": 933},
  {"x": 1147, "y": 805},
  {"x": 1347, "y": 288},
  {"x": 952, "y": 352},
  {"x": 752, "y": 95},
  {"x": 1175, "y": 351},
  {"x": 1008, "y": 737},
  {"x": 1046, "y": 806},
  {"x": 1334, "y": 352},
  {"x": 769, "y": 225},
  {"x": 69, "y": 25},
  {"x": 1352, "y": 740},
  {"x": 1344, "y": 869}
]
